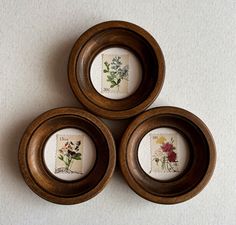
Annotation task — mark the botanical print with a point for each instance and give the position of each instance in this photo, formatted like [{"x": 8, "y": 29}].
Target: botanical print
[
  {"x": 115, "y": 69},
  {"x": 69, "y": 154},
  {"x": 164, "y": 153}
]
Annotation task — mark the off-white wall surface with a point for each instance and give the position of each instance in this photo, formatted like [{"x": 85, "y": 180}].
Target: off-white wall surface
[{"x": 198, "y": 39}]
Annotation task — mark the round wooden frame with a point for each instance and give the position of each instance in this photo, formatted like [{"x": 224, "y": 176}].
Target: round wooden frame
[
  {"x": 202, "y": 157},
  {"x": 116, "y": 34},
  {"x": 37, "y": 176}
]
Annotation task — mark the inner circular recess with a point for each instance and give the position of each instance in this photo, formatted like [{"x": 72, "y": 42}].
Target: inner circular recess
[
  {"x": 163, "y": 153},
  {"x": 116, "y": 73},
  {"x": 69, "y": 154}
]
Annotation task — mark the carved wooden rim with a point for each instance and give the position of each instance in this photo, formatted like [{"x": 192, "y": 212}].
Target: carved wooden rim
[
  {"x": 34, "y": 171},
  {"x": 203, "y": 156},
  {"x": 116, "y": 34}
]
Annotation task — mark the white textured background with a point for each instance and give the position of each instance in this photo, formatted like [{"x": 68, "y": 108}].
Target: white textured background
[{"x": 198, "y": 39}]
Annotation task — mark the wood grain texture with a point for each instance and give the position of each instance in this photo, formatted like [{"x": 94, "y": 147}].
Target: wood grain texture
[
  {"x": 200, "y": 166},
  {"x": 33, "y": 168},
  {"x": 124, "y": 35}
]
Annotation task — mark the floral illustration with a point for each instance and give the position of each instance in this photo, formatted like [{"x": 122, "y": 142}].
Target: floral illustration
[
  {"x": 69, "y": 154},
  {"x": 115, "y": 72},
  {"x": 164, "y": 153}
]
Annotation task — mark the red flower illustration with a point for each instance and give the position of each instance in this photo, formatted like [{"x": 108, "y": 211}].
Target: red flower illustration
[
  {"x": 167, "y": 147},
  {"x": 171, "y": 156}
]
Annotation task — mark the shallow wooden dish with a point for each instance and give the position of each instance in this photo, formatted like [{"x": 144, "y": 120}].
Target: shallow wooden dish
[
  {"x": 127, "y": 36},
  {"x": 33, "y": 168},
  {"x": 200, "y": 166}
]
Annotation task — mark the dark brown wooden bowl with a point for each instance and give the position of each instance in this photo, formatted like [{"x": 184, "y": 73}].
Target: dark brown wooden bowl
[
  {"x": 116, "y": 34},
  {"x": 201, "y": 163},
  {"x": 34, "y": 171}
]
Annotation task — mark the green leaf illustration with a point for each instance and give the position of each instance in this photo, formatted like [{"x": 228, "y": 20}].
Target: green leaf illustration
[
  {"x": 109, "y": 78},
  {"x": 77, "y": 156},
  {"x": 60, "y": 157},
  {"x": 107, "y": 66}
]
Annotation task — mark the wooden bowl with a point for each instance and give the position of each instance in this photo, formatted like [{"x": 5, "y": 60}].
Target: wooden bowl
[
  {"x": 201, "y": 162},
  {"x": 123, "y": 35},
  {"x": 43, "y": 182}
]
